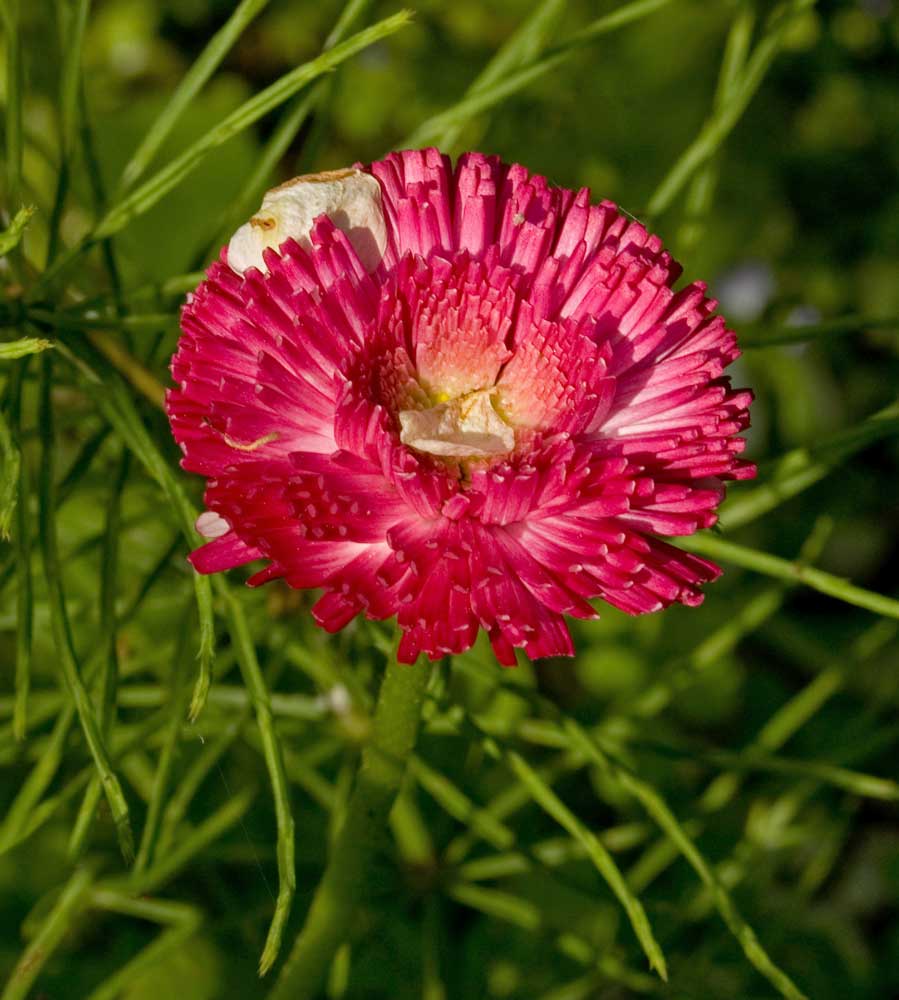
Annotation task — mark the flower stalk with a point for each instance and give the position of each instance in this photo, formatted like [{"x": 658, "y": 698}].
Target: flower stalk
[{"x": 384, "y": 759}]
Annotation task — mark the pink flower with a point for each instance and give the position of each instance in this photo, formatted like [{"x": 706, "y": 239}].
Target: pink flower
[{"x": 462, "y": 397}]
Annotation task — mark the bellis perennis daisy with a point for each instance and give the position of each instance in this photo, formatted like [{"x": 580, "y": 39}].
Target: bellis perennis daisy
[{"x": 463, "y": 397}]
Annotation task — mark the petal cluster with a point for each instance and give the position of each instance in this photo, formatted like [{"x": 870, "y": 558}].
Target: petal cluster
[{"x": 488, "y": 424}]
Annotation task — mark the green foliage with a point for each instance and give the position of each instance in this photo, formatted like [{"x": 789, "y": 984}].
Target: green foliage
[{"x": 707, "y": 794}]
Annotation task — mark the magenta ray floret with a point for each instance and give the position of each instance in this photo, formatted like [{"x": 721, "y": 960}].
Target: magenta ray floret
[{"x": 486, "y": 421}]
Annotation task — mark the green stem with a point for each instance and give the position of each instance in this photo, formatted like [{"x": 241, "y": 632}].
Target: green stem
[{"x": 362, "y": 835}]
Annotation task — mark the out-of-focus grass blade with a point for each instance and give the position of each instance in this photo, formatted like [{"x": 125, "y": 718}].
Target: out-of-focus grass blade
[
  {"x": 190, "y": 781},
  {"x": 161, "y": 183},
  {"x": 542, "y": 793},
  {"x": 287, "y": 129},
  {"x": 801, "y": 468},
  {"x": 460, "y": 807},
  {"x": 71, "y": 24},
  {"x": 59, "y": 621},
  {"x": 163, "y": 773},
  {"x": 523, "y": 47},
  {"x": 147, "y": 194},
  {"x": 605, "y": 864},
  {"x": 658, "y": 809},
  {"x": 13, "y": 130},
  {"x": 530, "y": 917},
  {"x": 118, "y": 408},
  {"x": 11, "y": 237},
  {"x": 180, "y": 920},
  {"x": 864, "y": 785},
  {"x": 753, "y": 612},
  {"x": 274, "y": 761},
  {"x": 109, "y": 664},
  {"x": 165, "y": 868},
  {"x": 10, "y": 472},
  {"x": 721, "y": 123},
  {"x": 509, "y": 801},
  {"x": 136, "y": 738},
  {"x": 54, "y": 927},
  {"x": 469, "y": 106},
  {"x": 763, "y": 336},
  {"x": 783, "y": 569},
  {"x": 192, "y": 83},
  {"x": 12, "y": 350},
  {"x": 702, "y": 189},
  {"x": 74, "y": 22},
  {"x": 15, "y": 491},
  {"x": 33, "y": 787}
]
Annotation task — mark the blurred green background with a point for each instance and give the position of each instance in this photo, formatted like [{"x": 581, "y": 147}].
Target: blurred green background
[{"x": 798, "y": 224}]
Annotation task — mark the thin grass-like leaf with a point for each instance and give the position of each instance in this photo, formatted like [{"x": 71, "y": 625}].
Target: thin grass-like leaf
[
  {"x": 287, "y": 129},
  {"x": 509, "y": 801},
  {"x": 180, "y": 920},
  {"x": 476, "y": 103},
  {"x": 768, "y": 336},
  {"x": 149, "y": 193},
  {"x": 53, "y": 928},
  {"x": 62, "y": 634},
  {"x": 15, "y": 491},
  {"x": 118, "y": 407},
  {"x": 783, "y": 569},
  {"x": 202, "y": 68},
  {"x": 864, "y": 785},
  {"x": 166, "y": 762},
  {"x": 459, "y": 805},
  {"x": 189, "y": 783},
  {"x": 12, "y": 350},
  {"x": 528, "y": 916},
  {"x": 11, "y": 237},
  {"x": 521, "y": 48},
  {"x": 702, "y": 188},
  {"x": 10, "y": 475},
  {"x": 797, "y": 470},
  {"x": 605, "y": 864},
  {"x": 165, "y": 868},
  {"x": 752, "y": 613},
  {"x": 11, "y": 13},
  {"x": 274, "y": 761},
  {"x": 38, "y": 781},
  {"x": 71, "y": 25},
  {"x": 49, "y": 806},
  {"x": 658, "y": 809},
  {"x": 721, "y": 124},
  {"x": 144, "y": 197}
]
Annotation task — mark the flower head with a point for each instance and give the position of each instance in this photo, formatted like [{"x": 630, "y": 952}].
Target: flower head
[{"x": 463, "y": 397}]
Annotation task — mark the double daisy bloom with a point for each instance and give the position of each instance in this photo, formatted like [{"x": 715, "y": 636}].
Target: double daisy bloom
[{"x": 460, "y": 396}]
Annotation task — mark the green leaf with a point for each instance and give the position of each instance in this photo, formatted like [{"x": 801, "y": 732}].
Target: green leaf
[
  {"x": 251, "y": 111},
  {"x": 10, "y": 465},
  {"x": 792, "y": 572},
  {"x": 605, "y": 864},
  {"x": 659, "y": 810},
  {"x": 722, "y": 122},
  {"x": 11, "y": 13},
  {"x": 62, "y": 633},
  {"x": 523, "y": 47},
  {"x": 274, "y": 761},
  {"x": 196, "y": 77},
  {"x": 483, "y": 99},
  {"x": 13, "y": 349},
  {"x": 53, "y": 928},
  {"x": 11, "y": 237},
  {"x": 759, "y": 337},
  {"x": 797, "y": 470}
]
